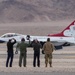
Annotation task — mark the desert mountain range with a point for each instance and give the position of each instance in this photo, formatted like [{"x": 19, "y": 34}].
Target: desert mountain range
[{"x": 36, "y": 10}]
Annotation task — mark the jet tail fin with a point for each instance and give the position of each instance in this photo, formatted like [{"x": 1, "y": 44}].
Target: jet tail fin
[{"x": 68, "y": 31}]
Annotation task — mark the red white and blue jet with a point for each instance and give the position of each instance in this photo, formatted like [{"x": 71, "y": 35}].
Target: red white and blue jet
[{"x": 64, "y": 38}]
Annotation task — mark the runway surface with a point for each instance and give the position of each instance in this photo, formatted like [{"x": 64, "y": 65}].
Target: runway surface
[{"x": 63, "y": 63}]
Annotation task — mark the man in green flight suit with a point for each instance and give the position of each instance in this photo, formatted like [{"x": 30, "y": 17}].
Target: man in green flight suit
[{"x": 23, "y": 52}]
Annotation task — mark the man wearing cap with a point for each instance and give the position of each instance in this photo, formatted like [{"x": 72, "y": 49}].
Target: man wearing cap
[{"x": 48, "y": 49}]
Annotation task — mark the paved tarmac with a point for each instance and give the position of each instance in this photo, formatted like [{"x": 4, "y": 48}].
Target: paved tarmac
[{"x": 63, "y": 63}]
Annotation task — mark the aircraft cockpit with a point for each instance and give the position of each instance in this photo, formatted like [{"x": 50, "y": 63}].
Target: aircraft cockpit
[{"x": 9, "y": 35}]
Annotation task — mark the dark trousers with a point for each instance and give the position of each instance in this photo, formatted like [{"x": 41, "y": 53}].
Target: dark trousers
[
  {"x": 9, "y": 57},
  {"x": 36, "y": 56}
]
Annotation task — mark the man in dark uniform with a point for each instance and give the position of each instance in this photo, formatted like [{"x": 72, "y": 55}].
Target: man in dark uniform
[
  {"x": 10, "y": 53},
  {"x": 36, "y": 46}
]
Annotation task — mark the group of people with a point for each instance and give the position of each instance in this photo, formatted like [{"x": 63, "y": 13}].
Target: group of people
[{"x": 47, "y": 48}]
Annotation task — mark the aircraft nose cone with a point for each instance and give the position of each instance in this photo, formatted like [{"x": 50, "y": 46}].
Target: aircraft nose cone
[{"x": 1, "y": 41}]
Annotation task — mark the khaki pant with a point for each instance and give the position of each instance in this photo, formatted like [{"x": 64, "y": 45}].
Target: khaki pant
[{"x": 48, "y": 58}]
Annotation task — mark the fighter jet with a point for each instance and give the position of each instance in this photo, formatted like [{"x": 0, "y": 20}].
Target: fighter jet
[{"x": 65, "y": 38}]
